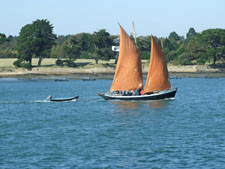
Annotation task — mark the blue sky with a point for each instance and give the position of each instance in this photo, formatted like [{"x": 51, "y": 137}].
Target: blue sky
[{"x": 156, "y": 17}]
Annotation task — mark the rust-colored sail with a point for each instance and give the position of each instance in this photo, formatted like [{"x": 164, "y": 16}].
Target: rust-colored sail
[
  {"x": 158, "y": 77},
  {"x": 128, "y": 74}
]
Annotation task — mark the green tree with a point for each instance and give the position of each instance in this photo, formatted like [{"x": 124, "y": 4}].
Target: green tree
[
  {"x": 25, "y": 47},
  {"x": 102, "y": 54},
  {"x": 103, "y": 44},
  {"x": 191, "y": 33},
  {"x": 57, "y": 51},
  {"x": 102, "y": 39},
  {"x": 72, "y": 50},
  {"x": 144, "y": 45},
  {"x": 174, "y": 36},
  {"x": 171, "y": 56},
  {"x": 8, "y": 47},
  {"x": 35, "y": 39},
  {"x": 184, "y": 59},
  {"x": 214, "y": 43},
  {"x": 43, "y": 38},
  {"x": 170, "y": 44},
  {"x": 2, "y": 38},
  {"x": 196, "y": 49},
  {"x": 85, "y": 42}
]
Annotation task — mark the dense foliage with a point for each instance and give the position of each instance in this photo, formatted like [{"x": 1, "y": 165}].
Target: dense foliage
[{"x": 38, "y": 40}]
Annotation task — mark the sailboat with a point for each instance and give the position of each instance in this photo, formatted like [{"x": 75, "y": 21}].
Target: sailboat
[{"x": 128, "y": 82}]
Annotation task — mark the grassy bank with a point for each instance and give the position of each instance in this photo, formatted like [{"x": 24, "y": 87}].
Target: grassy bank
[
  {"x": 87, "y": 67},
  {"x": 50, "y": 62}
]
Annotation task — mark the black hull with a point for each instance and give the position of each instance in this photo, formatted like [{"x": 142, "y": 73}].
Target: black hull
[
  {"x": 64, "y": 100},
  {"x": 88, "y": 79},
  {"x": 161, "y": 95}
]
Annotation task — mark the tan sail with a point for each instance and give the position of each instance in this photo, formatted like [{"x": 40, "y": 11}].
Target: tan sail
[
  {"x": 128, "y": 74},
  {"x": 158, "y": 78}
]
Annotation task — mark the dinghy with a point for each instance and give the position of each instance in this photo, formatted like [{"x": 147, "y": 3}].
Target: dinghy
[{"x": 49, "y": 98}]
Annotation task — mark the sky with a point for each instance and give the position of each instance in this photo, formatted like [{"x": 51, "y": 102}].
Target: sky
[{"x": 151, "y": 17}]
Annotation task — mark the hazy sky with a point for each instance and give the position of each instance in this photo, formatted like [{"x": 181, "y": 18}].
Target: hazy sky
[{"x": 156, "y": 17}]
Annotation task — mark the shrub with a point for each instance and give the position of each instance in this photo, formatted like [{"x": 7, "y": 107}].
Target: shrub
[
  {"x": 70, "y": 63},
  {"x": 17, "y": 63},
  {"x": 20, "y": 63},
  {"x": 59, "y": 62}
]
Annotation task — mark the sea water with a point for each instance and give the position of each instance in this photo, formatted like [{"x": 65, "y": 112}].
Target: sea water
[{"x": 185, "y": 132}]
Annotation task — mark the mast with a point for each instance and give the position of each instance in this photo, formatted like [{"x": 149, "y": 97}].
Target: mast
[
  {"x": 134, "y": 33},
  {"x": 161, "y": 40}
]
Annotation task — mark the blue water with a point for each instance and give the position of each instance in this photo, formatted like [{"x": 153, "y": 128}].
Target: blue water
[{"x": 186, "y": 132}]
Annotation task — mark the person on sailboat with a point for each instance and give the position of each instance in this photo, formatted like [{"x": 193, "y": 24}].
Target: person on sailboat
[
  {"x": 140, "y": 91},
  {"x": 124, "y": 93}
]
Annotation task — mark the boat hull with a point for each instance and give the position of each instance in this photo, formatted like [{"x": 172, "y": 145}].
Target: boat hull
[
  {"x": 158, "y": 96},
  {"x": 65, "y": 100}
]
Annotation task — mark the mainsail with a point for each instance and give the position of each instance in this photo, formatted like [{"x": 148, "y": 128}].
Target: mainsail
[
  {"x": 128, "y": 74},
  {"x": 157, "y": 78}
]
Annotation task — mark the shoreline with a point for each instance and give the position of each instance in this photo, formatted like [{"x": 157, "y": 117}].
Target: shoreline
[{"x": 43, "y": 72}]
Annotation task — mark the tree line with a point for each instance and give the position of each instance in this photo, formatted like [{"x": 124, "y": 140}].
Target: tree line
[{"x": 37, "y": 40}]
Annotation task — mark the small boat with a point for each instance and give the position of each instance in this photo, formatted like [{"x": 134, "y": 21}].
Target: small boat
[
  {"x": 49, "y": 98},
  {"x": 88, "y": 79},
  {"x": 128, "y": 83},
  {"x": 61, "y": 80}
]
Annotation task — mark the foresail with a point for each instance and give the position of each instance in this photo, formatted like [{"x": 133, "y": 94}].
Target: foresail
[
  {"x": 158, "y": 77},
  {"x": 128, "y": 74}
]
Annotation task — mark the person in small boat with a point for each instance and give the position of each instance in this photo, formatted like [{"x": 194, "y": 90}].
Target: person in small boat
[{"x": 49, "y": 97}]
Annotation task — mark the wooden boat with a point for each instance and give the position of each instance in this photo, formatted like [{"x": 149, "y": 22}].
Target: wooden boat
[
  {"x": 61, "y": 80},
  {"x": 88, "y": 79},
  {"x": 62, "y": 99},
  {"x": 128, "y": 74}
]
